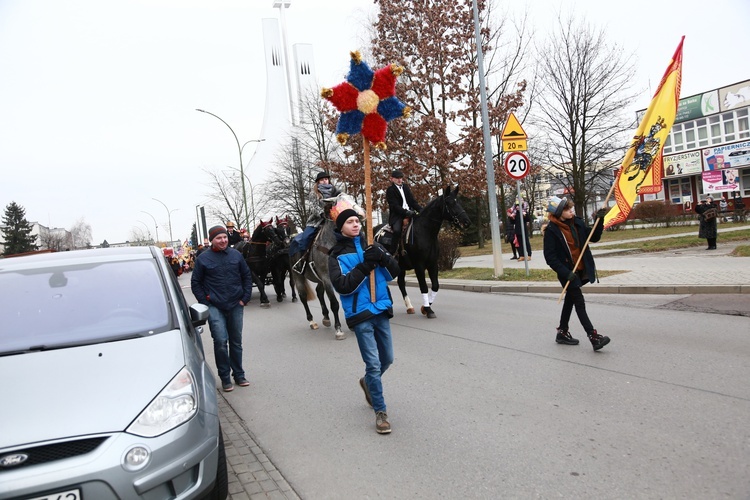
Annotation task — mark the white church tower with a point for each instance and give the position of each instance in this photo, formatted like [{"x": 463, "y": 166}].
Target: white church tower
[{"x": 282, "y": 110}]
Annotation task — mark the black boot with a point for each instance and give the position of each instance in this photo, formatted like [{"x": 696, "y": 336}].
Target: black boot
[
  {"x": 598, "y": 341},
  {"x": 564, "y": 337}
]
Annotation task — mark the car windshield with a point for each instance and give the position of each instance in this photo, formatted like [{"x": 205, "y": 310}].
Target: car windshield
[{"x": 52, "y": 307}]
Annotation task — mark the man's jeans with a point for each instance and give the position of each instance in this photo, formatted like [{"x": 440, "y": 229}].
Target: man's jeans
[
  {"x": 226, "y": 328},
  {"x": 376, "y": 346}
]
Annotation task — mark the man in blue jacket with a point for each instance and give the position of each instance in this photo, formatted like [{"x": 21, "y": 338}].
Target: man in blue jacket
[
  {"x": 222, "y": 281},
  {"x": 349, "y": 267}
]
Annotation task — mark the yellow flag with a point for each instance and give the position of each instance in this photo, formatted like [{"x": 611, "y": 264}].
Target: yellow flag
[{"x": 645, "y": 150}]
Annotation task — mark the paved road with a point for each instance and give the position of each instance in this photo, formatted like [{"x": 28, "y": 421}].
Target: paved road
[{"x": 493, "y": 407}]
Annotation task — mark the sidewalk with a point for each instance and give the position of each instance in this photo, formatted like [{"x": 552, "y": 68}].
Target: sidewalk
[{"x": 684, "y": 271}]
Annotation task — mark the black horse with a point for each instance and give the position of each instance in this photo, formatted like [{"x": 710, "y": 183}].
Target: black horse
[
  {"x": 280, "y": 265},
  {"x": 258, "y": 257},
  {"x": 421, "y": 246}
]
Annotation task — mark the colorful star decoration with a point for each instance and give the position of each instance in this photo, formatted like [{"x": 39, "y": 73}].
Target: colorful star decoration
[{"x": 367, "y": 101}]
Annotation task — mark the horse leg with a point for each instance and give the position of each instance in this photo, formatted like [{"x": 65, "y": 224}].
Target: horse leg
[
  {"x": 402, "y": 287},
  {"x": 261, "y": 286},
  {"x": 432, "y": 270},
  {"x": 278, "y": 283},
  {"x": 425, "y": 309},
  {"x": 340, "y": 334},
  {"x": 291, "y": 281},
  {"x": 301, "y": 283},
  {"x": 320, "y": 289}
]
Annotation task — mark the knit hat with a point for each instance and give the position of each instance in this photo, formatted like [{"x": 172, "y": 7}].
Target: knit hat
[
  {"x": 341, "y": 218},
  {"x": 216, "y": 231},
  {"x": 556, "y": 205}
]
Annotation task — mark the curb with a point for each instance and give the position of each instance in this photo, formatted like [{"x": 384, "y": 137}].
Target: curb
[{"x": 554, "y": 288}]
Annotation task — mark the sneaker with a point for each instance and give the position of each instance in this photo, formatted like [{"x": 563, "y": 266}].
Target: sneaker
[
  {"x": 381, "y": 423},
  {"x": 227, "y": 386},
  {"x": 366, "y": 391},
  {"x": 242, "y": 382},
  {"x": 598, "y": 341},
  {"x": 564, "y": 337}
]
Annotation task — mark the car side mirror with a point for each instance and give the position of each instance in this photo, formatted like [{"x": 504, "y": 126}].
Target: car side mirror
[{"x": 198, "y": 314}]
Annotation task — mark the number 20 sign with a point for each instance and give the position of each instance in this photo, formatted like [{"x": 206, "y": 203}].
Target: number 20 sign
[{"x": 517, "y": 165}]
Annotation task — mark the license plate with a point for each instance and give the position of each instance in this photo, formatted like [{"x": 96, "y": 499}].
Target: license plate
[{"x": 61, "y": 495}]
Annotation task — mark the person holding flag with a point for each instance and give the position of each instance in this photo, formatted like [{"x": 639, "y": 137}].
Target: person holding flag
[{"x": 566, "y": 254}]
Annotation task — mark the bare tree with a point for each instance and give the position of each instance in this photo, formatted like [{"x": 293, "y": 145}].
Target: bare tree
[
  {"x": 585, "y": 84},
  {"x": 57, "y": 240},
  {"x": 80, "y": 234},
  {"x": 139, "y": 237}
]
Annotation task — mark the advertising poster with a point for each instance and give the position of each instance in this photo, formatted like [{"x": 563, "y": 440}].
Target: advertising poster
[
  {"x": 682, "y": 164},
  {"x": 735, "y": 96},
  {"x": 730, "y": 156},
  {"x": 715, "y": 181}
]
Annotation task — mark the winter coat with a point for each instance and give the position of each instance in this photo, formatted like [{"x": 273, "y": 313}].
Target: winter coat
[
  {"x": 707, "y": 228},
  {"x": 351, "y": 280},
  {"x": 221, "y": 279},
  {"x": 558, "y": 256},
  {"x": 396, "y": 203}
]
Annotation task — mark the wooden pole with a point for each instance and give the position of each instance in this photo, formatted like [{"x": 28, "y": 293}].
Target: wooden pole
[
  {"x": 596, "y": 222},
  {"x": 368, "y": 210}
]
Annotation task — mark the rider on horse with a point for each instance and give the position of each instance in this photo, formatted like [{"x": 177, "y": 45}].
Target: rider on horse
[
  {"x": 401, "y": 205},
  {"x": 322, "y": 190}
]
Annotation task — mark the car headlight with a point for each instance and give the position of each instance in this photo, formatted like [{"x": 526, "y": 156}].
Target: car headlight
[{"x": 176, "y": 404}]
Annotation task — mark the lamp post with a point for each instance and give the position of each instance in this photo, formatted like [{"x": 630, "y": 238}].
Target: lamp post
[
  {"x": 156, "y": 226},
  {"x": 169, "y": 217},
  {"x": 242, "y": 167}
]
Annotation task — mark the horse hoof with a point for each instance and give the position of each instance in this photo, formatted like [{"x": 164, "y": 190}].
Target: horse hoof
[
  {"x": 340, "y": 335},
  {"x": 313, "y": 326},
  {"x": 265, "y": 305},
  {"x": 427, "y": 311},
  {"x": 327, "y": 322},
  {"x": 410, "y": 310},
  {"x": 279, "y": 299},
  {"x": 294, "y": 299}
]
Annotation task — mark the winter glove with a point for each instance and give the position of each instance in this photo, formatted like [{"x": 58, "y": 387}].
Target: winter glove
[
  {"x": 367, "y": 266},
  {"x": 410, "y": 213},
  {"x": 375, "y": 253},
  {"x": 601, "y": 213},
  {"x": 572, "y": 275}
]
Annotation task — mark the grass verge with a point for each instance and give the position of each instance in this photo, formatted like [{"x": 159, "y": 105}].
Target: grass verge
[{"x": 485, "y": 274}]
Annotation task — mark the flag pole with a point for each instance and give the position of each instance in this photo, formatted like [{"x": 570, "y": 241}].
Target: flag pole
[
  {"x": 368, "y": 211},
  {"x": 591, "y": 233}
]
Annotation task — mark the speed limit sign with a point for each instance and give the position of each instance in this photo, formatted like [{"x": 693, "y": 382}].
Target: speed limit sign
[{"x": 517, "y": 165}]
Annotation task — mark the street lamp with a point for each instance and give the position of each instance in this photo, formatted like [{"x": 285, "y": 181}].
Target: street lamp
[
  {"x": 242, "y": 167},
  {"x": 156, "y": 226},
  {"x": 169, "y": 217}
]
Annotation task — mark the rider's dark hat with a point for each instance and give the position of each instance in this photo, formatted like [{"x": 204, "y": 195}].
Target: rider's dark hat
[
  {"x": 322, "y": 175},
  {"x": 397, "y": 174}
]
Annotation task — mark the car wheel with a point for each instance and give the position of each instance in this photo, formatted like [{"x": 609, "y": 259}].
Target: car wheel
[{"x": 221, "y": 486}]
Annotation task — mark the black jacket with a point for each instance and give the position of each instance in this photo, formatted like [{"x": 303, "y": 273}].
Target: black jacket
[
  {"x": 558, "y": 255},
  {"x": 395, "y": 202}
]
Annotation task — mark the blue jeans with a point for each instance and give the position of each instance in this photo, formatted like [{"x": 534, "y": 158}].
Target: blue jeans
[
  {"x": 376, "y": 346},
  {"x": 226, "y": 330}
]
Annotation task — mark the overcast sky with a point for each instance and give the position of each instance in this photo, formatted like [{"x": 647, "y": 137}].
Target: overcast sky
[{"x": 98, "y": 97}]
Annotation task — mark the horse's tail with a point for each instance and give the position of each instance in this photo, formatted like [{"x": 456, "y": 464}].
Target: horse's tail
[{"x": 309, "y": 290}]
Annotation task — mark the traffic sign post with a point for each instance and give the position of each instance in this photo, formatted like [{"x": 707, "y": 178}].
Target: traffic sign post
[{"x": 517, "y": 165}]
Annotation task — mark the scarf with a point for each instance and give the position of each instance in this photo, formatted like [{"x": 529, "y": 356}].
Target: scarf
[{"x": 568, "y": 230}]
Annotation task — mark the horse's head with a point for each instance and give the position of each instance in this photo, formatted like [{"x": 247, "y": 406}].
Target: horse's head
[
  {"x": 452, "y": 209},
  {"x": 282, "y": 230},
  {"x": 264, "y": 231}
]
